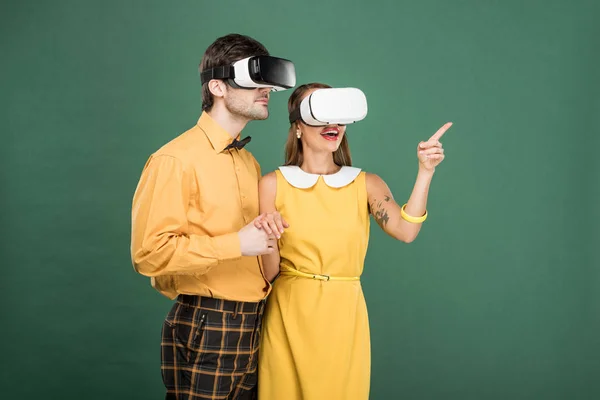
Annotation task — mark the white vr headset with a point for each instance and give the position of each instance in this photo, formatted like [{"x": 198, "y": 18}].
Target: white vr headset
[
  {"x": 255, "y": 72},
  {"x": 331, "y": 106}
]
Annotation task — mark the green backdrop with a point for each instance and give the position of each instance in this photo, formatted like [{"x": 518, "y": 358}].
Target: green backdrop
[{"x": 498, "y": 298}]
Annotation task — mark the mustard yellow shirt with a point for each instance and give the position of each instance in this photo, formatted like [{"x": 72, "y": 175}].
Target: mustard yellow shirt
[{"x": 192, "y": 199}]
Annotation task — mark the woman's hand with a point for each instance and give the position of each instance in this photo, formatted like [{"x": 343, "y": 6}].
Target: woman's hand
[
  {"x": 431, "y": 152},
  {"x": 273, "y": 223}
]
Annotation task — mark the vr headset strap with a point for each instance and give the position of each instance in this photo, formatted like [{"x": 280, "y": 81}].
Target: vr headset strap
[
  {"x": 295, "y": 115},
  {"x": 223, "y": 72}
]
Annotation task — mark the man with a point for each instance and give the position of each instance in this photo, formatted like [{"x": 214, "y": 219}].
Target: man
[{"x": 197, "y": 233}]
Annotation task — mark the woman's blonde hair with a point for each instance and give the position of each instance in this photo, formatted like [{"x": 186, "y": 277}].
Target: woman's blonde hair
[{"x": 293, "y": 146}]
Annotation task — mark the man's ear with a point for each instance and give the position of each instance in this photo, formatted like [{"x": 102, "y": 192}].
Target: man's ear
[{"x": 217, "y": 87}]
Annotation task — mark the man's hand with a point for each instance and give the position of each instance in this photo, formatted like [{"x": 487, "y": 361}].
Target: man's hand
[
  {"x": 255, "y": 241},
  {"x": 272, "y": 223}
]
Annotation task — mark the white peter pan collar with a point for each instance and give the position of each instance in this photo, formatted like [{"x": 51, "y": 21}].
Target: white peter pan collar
[{"x": 303, "y": 180}]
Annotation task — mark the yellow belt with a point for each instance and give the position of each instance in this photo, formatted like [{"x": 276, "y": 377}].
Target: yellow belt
[{"x": 294, "y": 272}]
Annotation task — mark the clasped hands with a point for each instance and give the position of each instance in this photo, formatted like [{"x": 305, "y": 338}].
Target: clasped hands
[
  {"x": 260, "y": 236},
  {"x": 272, "y": 223}
]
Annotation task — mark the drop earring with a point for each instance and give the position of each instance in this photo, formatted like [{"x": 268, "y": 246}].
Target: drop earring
[{"x": 298, "y": 133}]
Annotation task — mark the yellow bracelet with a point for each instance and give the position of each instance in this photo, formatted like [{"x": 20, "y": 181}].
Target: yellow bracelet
[{"x": 414, "y": 220}]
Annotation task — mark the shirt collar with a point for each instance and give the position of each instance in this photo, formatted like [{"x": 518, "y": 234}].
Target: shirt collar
[
  {"x": 303, "y": 180},
  {"x": 219, "y": 138}
]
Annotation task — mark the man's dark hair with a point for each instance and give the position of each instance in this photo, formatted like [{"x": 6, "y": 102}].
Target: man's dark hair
[{"x": 224, "y": 51}]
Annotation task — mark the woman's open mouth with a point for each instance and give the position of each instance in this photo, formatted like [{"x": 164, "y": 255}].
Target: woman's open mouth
[{"x": 331, "y": 134}]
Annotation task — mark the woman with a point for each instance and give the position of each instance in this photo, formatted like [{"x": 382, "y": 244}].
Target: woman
[{"x": 315, "y": 337}]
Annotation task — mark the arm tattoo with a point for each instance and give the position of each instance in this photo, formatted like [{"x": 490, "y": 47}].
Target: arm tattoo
[{"x": 379, "y": 212}]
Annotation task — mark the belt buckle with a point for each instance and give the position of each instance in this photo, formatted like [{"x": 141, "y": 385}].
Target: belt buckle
[{"x": 325, "y": 278}]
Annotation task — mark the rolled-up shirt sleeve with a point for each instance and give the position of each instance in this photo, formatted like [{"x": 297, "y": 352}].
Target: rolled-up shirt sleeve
[{"x": 160, "y": 240}]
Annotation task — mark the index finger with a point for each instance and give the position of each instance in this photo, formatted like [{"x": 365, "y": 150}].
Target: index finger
[{"x": 440, "y": 132}]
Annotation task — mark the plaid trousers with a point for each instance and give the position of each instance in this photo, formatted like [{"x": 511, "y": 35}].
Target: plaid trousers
[{"x": 209, "y": 349}]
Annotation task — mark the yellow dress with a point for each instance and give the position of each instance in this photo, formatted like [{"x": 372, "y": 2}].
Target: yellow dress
[{"x": 315, "y": 342}]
